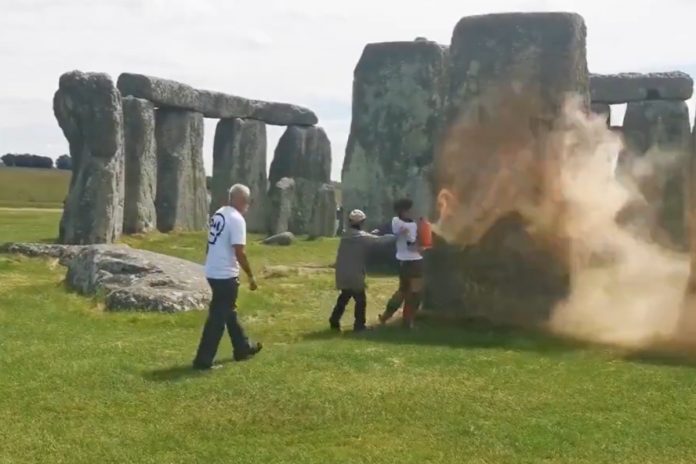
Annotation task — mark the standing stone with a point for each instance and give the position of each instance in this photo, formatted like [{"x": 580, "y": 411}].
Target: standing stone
[
  {"x": 88, "y": 109},
  {"x": 239, "y": 156},
  {"x": 139, "y": 214},
  {"x": 323, "y": 222},
  {"x": 398, "y": 101},
  {"x": 281, "y": 201},
  {"x": 690, "y": 204},
  {"x": 661, "y": 128},
  {"x": 304, "y": 201},
  {"x": 510, "y": 77},
  {"x": 295, "y": 205},
  {"x": 181, "y": 201},
  {"x": 659, "y": 124},
  {"x": 541, "y": 54},
  {"x": 302, "y": 152}
]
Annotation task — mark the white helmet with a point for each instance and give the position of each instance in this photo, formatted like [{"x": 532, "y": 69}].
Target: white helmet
[{"x": 356, "y": 216}]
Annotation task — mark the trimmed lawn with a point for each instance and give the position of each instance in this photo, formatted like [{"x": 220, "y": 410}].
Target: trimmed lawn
[
  {"x": 33, "y": 187},
  {"x": 80, "y": 385}
]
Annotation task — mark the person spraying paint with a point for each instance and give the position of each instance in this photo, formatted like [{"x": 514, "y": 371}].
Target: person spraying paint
[{"x": 409, "y": 247}]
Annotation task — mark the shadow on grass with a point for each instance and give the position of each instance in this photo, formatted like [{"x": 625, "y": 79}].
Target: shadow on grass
[
  {"x": 181, "y": 372},
  {"x": 480, "y": 335},
  {"x": 663, "y": 357},
  {"x": 459, "y": 335}
]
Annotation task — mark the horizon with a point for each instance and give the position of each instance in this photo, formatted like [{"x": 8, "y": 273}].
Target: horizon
[{"x": 302, "y": 53}]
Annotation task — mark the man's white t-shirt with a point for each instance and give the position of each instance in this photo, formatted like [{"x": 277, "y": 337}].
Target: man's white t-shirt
[
  {"x": 406, "y": 245},
  {"x": 227, "y": 228}
]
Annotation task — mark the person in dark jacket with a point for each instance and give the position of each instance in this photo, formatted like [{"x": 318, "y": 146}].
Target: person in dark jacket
[{"x": 350, "y": 269}]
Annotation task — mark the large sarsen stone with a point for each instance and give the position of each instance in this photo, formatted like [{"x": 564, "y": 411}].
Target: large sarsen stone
[
  {"x": 302, "y": 152},
  {"x": 139, "y": 214},
  {"x": 168, "y": 93},
  {"x": 239, "y": 156},
  {"x": 399, "y": 93},
  {"x": 88, "y": 109},
  {"x": 181, "y": 202},
  {"x": 634, "y": 87},
  {"x": 138, "y": 280}
]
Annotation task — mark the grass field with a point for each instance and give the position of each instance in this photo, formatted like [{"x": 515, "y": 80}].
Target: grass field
[
  {"x": 33, "y": 188},
  {"x": 79, "y": 385}
]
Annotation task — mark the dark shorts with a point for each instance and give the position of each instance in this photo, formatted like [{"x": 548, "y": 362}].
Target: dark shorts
[{"x": 409, "y": 270}]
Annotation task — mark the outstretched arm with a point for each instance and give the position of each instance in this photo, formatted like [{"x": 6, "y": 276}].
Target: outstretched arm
[{"x": 384, "y": 229}]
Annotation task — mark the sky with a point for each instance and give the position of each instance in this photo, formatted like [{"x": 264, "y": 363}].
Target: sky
[{"x": 299, "y": 51}]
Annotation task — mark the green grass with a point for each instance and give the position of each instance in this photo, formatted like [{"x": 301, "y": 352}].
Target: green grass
[
  {"x": 21, "y": 225},
  {"x": 79, "y": 385},
  {"x": 33, "y": 188}
]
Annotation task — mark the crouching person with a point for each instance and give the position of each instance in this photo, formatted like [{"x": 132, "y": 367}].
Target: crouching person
[{"x": 350, "y": 269}]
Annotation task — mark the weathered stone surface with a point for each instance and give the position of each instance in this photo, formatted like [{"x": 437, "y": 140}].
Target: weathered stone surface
[
  {"x": 635, "y": 87},
  {"x": 661, "y": 129},
  {"x": 168, "y": 93},
  {"x": 399, "y": 91},
  {"x": 690, "y": 206},
  {"x": 281, "y": 199},
  {"x": 323, "y": 222},
  {"x": 306, "y": 192},
  {"x": 88, "y": 109},
  {"x": 302, "y": 152},
  {"x": 134, "y": 279},
  {"x": 42, "y": 250},
  {"x": 663, "y": 125},
  {"x": 181, "y": 200},
  {"x": 603, "y": 109},
  {"x": 511, "y": 75},
  {"x": 540, "y": 54},
  {"x": 129, "y": 279},
  {"x": 292, "y": 202},
  {"x": 139, "y": 214},
  {"x": 282, "y": 239},
  {"x": 239, "y": 156}
]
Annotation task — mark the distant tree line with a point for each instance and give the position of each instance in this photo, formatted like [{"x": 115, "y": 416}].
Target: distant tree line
[
  {"x": 64, "y": 162},
  {"x": 26, "y": 160}
]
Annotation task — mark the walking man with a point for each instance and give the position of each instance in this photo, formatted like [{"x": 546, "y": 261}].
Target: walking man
[{"x": 225, "y": 255}]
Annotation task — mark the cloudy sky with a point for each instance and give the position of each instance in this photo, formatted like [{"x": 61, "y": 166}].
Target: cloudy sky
[{"x": 300, "y": 51}]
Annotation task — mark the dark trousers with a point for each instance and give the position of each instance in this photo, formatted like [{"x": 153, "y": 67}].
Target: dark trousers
[
  {"x": 221, "y": 313},
  {"x": 360, "y": 306}
]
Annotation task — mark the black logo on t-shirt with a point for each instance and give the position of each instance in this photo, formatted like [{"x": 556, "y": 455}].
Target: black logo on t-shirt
[{"x": 217, "y": 225}]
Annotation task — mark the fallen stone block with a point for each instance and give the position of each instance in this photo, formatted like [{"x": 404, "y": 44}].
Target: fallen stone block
[{"x": 138, "y": 280}]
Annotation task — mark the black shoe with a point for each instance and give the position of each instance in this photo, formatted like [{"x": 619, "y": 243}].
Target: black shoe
[
  {"x": 253, "y": 349},
  {"x": 201, "y": 367},
  {"x": 335, "y": 326},
  {"x": 359, "y": 328}
]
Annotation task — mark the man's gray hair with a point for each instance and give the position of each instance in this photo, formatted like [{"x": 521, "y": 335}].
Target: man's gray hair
[{"x": 237, "y": 189}]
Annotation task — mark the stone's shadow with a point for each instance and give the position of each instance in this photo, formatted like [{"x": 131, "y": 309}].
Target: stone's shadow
[
  {"x": 482, "y": 335},
  {"x": 180, "y": 372},
  {"x": 457, "y": 335},
  {"x": 659, "y": 357}
]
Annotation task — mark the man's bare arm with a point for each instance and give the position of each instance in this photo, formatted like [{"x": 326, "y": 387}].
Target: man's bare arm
[{"x": 240, "y": 253}]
